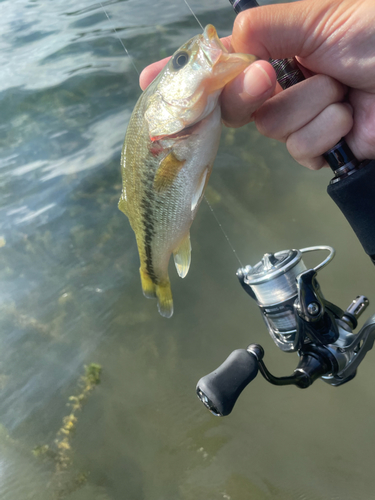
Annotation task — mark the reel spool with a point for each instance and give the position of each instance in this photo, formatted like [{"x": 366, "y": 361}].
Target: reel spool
[{"x": 272, "y": 283}]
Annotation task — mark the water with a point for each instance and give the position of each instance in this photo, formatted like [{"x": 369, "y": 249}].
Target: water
[{"x": 70, "y": 291}]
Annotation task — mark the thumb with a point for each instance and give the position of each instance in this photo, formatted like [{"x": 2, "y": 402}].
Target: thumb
[{"x": 280, "y": 31}]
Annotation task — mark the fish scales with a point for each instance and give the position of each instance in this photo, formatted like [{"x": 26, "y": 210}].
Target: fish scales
[{"x": 170, "y": 145}]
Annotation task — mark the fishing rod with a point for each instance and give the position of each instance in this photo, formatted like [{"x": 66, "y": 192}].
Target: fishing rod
[
  {"x": 296, "y": 313},
  {"x": 298, "y": 317}
]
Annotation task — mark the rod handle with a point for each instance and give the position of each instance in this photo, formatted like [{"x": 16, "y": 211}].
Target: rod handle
[{"x": 355, "y": 196}]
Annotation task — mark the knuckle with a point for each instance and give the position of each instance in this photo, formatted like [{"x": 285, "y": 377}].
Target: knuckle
[
  {"x": 297, "y": 150},
  {"x": 341, "y": 118},
  {"x": 260, "y": 124},
  {"x": 331, "y": 88},
  {"x": 242, "y": 25},
  {"x": 267, "y": 125},
  {"x": 370, "y": 143},
  {"x": 366, "y": 132}
]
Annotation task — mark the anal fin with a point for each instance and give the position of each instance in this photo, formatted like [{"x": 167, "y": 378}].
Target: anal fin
[{"x": 182, "y": 256}]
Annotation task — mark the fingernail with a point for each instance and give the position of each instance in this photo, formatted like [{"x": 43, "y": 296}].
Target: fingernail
[{"x": 256, "y": 81}]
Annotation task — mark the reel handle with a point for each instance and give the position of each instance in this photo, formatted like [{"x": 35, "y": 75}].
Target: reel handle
[{"x": 220, "y": 389}]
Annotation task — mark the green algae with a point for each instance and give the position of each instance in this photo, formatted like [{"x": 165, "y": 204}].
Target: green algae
[{"x": 65, "y": 479}]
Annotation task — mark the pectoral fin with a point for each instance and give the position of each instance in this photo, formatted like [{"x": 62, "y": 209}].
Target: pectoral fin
[
  {"x": 167, "y": 172},
  {"x": 182, "y": 256},
  {"x": 199, "y": 190}
]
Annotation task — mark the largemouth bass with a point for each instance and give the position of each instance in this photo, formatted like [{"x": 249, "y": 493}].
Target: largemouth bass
[{"x": 170, "y": 146}]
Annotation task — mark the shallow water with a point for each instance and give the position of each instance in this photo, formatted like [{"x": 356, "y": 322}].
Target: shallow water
[{"x": 70, "y": 291}]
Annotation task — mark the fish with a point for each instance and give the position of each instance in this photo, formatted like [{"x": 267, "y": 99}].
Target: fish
[{"x": 170, "y": 145}]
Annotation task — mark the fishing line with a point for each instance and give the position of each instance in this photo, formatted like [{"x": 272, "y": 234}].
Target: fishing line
[
  {"x": 191, "y": 10},
  {"x": 119, "y": 39},
  {"x": 136, "y": 69},
  {"x": 224, "y": 233},
  {"x": 210, "y": 207}
]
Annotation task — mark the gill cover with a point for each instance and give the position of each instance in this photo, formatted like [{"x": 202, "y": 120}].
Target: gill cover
[{"x": 188, "y": 88}]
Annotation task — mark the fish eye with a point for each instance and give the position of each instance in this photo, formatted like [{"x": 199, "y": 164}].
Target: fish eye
[{"x": 180, "y": 59}]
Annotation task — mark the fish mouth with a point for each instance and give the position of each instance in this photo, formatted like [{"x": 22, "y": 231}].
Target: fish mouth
[
  {"x": 212, "y": 47},
  {"x": 210, "y": 33},
  {"x": 225, "y": 65},
  {"x": 216, "y": 52}
]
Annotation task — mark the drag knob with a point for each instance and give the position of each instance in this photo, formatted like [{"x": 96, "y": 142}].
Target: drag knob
[{"x": 220, "y": 389}]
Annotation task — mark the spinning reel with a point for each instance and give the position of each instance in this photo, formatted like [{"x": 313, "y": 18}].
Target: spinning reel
[{"x": 299, "y": 319}]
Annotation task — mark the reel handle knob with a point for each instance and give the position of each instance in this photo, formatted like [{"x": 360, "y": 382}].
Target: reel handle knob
[{"x": 220, "y": 389}]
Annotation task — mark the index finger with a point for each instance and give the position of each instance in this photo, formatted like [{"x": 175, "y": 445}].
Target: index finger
[{"x": 151, "y": 71}]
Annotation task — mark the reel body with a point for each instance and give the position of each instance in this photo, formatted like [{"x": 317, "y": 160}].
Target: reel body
[{"x": 299, "y": 319}]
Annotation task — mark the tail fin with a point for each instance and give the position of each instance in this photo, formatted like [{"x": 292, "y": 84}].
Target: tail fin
[
  {"x": 162, "y": 292},
  {"x": 165, "y": 301}
]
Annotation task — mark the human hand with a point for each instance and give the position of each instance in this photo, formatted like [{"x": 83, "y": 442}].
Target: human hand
[
  {"x": 252, "y": 88},
  {"x": 333, "y": 39}
]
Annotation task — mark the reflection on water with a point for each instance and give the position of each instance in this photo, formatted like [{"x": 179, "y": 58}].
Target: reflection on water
[{"x": 70, "y": 292}]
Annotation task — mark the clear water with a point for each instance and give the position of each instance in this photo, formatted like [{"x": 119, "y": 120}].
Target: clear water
[{"x": 70, "y": 292}]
